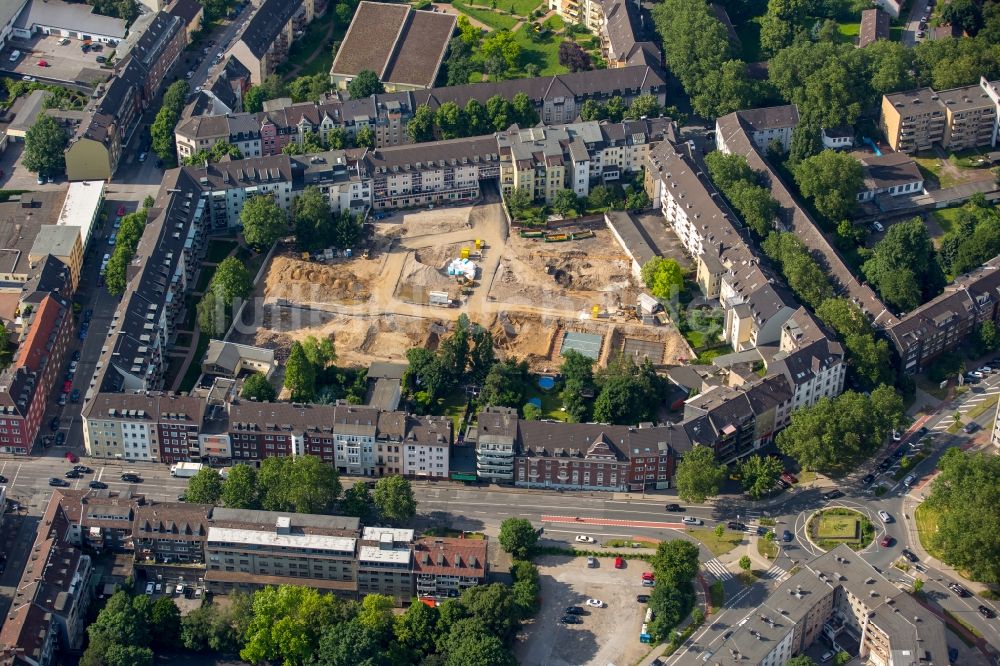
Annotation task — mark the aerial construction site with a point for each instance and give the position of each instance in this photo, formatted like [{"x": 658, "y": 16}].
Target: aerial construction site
[{"x": 422, "y": 269}]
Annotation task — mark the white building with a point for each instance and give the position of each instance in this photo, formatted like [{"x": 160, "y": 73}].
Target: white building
[
  {"x": 66, "y": 19},
  {"x": 773, "y": 123},
  {"x": 812, "y": 362},
  {"x": 426, "y": 447}
]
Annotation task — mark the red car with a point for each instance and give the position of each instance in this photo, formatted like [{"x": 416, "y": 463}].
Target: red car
[
  {"x": 619, "y": 563},
  {"x": 886, "y": 541},
  {"x": 121, "y": 210},
  {"x": 70, "y": 456},
  {"x": 42, "y": 63},
  {"x": 67, "y": 386},
  {"x": 648, "y": 575},
  {"x": 788, "y": 477}
]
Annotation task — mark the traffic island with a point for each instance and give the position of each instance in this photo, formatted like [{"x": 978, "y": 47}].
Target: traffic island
[{"x": 831, "y": 527}]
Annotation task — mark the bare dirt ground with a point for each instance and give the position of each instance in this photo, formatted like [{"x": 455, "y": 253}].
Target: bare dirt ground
[
  {"x": 571, "y": 275},
  {"x": 528, "y": 292}
]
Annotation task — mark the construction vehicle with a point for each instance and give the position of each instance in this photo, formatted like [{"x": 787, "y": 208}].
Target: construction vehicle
[
  {"x": 556, "y": 238},
  {"x": 532, "y": 234}
]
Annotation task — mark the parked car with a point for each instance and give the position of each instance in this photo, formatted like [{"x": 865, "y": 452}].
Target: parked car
[
  {"x": 149, "y": 588},
  {"x": 580, "y": 538},
  {"x": 60, "y": 439},
  {"x": 788, "y": 477},
  {"x": 877, "y": 226},
  {"x": 130, "y": 477},
  {"x": 897, "y": 436},
  {"x": 595, "y": 603},
  {"x": 112, "y": 239},
  {"x": 75, "y": 396},
  {"x": 648, "y": 583},
  {"x": 971, "y": 427},
  {"x": 648, "y": 575},
  {"x": 72, "y": 457},
  {"x": 908, "y": 481},
  {"x": 27, "y": 77},
  {"x": 67, "y": 386},
  {"x": 833, "y": 494},
  {"x": 54, "y": 423},
  {"x": 691, "y": 520},
  {"x": 76, "y": 352},
  {"x": 143, "y": 156},
  {"x": 592, "y": 562},
  {"x": 72, "y": 474},
  {"x": 908, "y": 554},
  {"x": 733, "y": 525},
  {"x": 886, "y": 541},
  {"x": 786, "y": 536},
  {"x": 574, "y": 610},
  {"x": 101, "y": 59},
  {"x": 619, "y": 563},
  {"x": 642, "y": 598},
  {"x": 570, "y": 619},
  {"x": 62, "y": 399},
  {"x": 884, "y": 515},
  {"x": 14, "y": 55},
  {"x": 83, "y": 469},
  {"x": 58, "y": 483},
  {"x": 867, "y": 479}
]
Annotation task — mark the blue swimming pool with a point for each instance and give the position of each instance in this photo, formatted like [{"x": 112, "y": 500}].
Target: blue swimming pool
[
  {"x": 547, "y": 383},
  {"x": 537, "y": 402}
]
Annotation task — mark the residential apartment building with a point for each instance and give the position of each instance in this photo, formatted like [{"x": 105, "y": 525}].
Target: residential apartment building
[
  {"x": 228, "y": 184},
  {"x": 192, "y": 13},
  {"x": 811, "y": 360},
  {"x": 734, "y": 134},
  {"x": 264, "y": 43},
  {"x": 765, "y": 125},
  {"x": 157, "y": 51},
  {"x": 955, "y": 119},
  {"x": 341, "y": 176},
  {"x": 151, "y": 427},
  {"x": 171, "y": 532},
  {"x": 874, "y": 27},
  {"x": 426, "y": 447},
  {"x": 496, "y": 432},
  {"x": 843, "y": 599},
  {"x": 557, "y": 99},
  {"x": 404, "y": 47},
  {"x": 48, "y": 612},
  {"x": 619, "y": 25},
  {"x": 944, "y": 322},
  {"x": 444, "y": 567},
  {"x": 25, "y": 385},
  {"x": 246, "y": 550},
  {"x": 546, "y": 160},
  {"x": 385, "y": 563},
  {"x": 165, "y": 262},
  {"x": 101, "y": 520},
  {"x": 440, "y": 172}
]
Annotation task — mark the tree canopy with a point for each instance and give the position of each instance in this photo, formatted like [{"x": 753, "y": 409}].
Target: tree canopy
[
  {"x": 518, "y": 537},
  {"x": 394, "y": 499},
  {"x": 698, "y": 475},
  {"x": 44, "y": 146},
  {"x": 663, "y": 277},
  {"x": 257, "y": 387},
  {"x": 904, "y": 267},
  {"x": 365, "y": 84},
  {"x": 759, "y": 474},
  {"x": 205, "y": 487},
  {"x": 263, "y": 222},
  {"x": 832, "y": 181}
]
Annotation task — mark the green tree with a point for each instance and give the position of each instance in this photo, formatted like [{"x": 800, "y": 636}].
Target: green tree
[
  {"x": 869, "y": 359},
  {"x": 365, "y": 84},
  {"x": 746, "y": 563},
  {"x": 592, "y": 110},
  {"x": 518, "y": 537},
  {"x": 239, "y": 489},
  {"x": 506, "y": 384},
  {"x": 832, "y": 181},
  {"x": 663, "y": 277},
  {"x": 309, "y": 88},
  {"x": 503, "y": 45},
  {"x": 518, "y": 200},
  {"x": 162, "y": 130},
  {"x": 365, "y": 138},
  {"x": 643, "y": 106},
  {"x": 966, "y": 15},
  {"x": 699, "y": 476},
  {"x": 257, "y": 387},
  {"x": 415, "y": 630},
  {"x": 253, "y": 99},
  {"x": 212, "y": 316},
  {"x": 500, "y": 114},
  {"x": 313, "y": 485},
  {"x": 759, "y": 474},
  {"x": 480, "y": 650},
  {"x": 800, "y": 269},
  {"x": 263, "y": 222},
  {"x": 904, "y": 266},
  {"x": 232, "y": 280},
  {"x": 300, "y": 375},
  {"x": 565, "y": 203},
  {"x": 728, "y": 169},
  {"x": 205, "y": 487},
  {"x": 523, "y": 110},
  {"x": 44, "y": 147},
  {"x": 420, "y": 127},
  {"x": 833, "y": 435},
  {"x": 394, "y": 499},
  {"x": 629, "y": 393},
  {"x": 756, "y": 205},
  {"x": 801, "y": 660},
  {"x": 165, "y": 623},
  {"x": 286, "y": 624},
  {"x": 115, "y": 273},
  {"x": 964, "y": 496},
  {"x": 128, "y": 655},
  {"x": 476, "y": 119},
  {"x": 577, "y": 371},
  {"x": 482, "y": 355},
  {"x": 358, "y": 501},
  {"x": 675, "y": 563},
  {"x": 450, "y": 120},
  {"x": 727, "y": 89}
]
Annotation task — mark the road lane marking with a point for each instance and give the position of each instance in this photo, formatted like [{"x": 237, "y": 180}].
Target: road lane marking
[
  {"x": 610, "y": 522},
  {"x": 718, "y": 569}
]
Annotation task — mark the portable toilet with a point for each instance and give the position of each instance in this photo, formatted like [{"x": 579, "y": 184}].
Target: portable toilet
[
  {"x": 465, "y": 253},
  {"x": 479, "y": 244},
  {"x": 595, "y": 312}
]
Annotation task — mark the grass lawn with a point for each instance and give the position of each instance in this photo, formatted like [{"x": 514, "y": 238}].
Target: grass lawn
[
  {"x": 455, "y": 534},
  {"x": 551, "y": 404},
  {"x": 968, "y": 627},
  {"x": 768, "y": 549},
  {"x": 946, "y": 218},
  {"x": 544, "y": 54},
  {"x": 194, "y": 369},
  {"x": 837, "y": 527},
  {"x": 806, "y": 476},
  {"x": 927, "y": 519},
  {"x": 219, "y": 249},
  {"x": 555, "y": 22},
  {"x": 989, "y": 404},
  {"x": 314, "y": 40},
  {"x": 485, "y": 15},
  {"x": 848, "y": 32},
  {"x": 706, "y": 356},
  {"x": 749, "y": 34},
  {"x": 718, "y": 545},
  {"x": 931, "y": 164},
  {"x": 454, "y": 407}
]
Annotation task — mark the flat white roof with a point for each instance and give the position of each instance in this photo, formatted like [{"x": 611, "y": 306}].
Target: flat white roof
[
  {"x": 375, "y": 534},
  {"x": 376, "y": 554},
  {"x": 255, "y": 537},
  {"x": 83, "y": 198}
]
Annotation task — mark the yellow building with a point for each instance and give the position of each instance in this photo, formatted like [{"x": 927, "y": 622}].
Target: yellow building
[{"x": 956, "y": 119}]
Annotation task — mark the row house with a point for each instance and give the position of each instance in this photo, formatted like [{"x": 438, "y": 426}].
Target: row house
[
  {"x": 162, "y": 271},
  {"x": 765, "y": 126},
  {"x": 46, "y": 330},
  {"x": 810, "y": 359},
  {"x": 385, "y": 563},
  {"x": 171, "y": 532},
  {"x": 956, "y": 119},
  {"x": 341, "y": 176},
  {"x": 444, "y": 567},
  {"x": 95, "y": 147},
  {"x": 152, "y": 427},
  {"x": 735, "y": 134},
  {"x": 48, "y": 612},
  {"x": 557, "y": 99},
  {"x": 546, "y": 160},
  {"x": 101, "y": 520},
  {"x": 946, "y": 321},
  {"x": 228, "y": 184}
]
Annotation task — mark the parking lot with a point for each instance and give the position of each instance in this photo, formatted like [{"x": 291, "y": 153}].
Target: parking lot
[
  {"x": 606, "y": 635},
  {"x": 63, "y": 63}
]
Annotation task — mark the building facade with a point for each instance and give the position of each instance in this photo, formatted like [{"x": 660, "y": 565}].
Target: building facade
[{"x": 956, "y": 119}]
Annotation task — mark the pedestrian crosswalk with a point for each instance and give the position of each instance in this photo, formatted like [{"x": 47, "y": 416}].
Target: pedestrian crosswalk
[
  {"x": 717, "y": 569},
  {"x": 776, "y": 573}
]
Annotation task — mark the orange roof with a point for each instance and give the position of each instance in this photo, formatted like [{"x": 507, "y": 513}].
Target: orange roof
[{"x": 32, "y": 351}]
